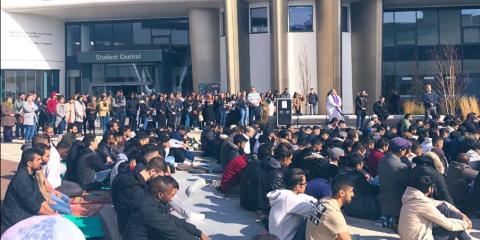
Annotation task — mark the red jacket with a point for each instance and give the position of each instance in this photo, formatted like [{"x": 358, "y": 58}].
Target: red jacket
[
  {"x": 373, "y": 159},
  {"x": 232, "y": 174},
  {"x": 52, "y": 105}
]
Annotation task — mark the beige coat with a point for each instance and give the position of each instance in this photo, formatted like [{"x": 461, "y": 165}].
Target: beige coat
[
  {"x": 70, "y": 112},
  {"x": 420, "y": 212}
]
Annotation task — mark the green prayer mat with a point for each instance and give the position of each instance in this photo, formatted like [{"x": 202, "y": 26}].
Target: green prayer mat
[{"x": 90, "y": 226}]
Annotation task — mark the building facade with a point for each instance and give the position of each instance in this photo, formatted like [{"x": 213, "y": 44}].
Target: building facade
[{"x": 190, "y": 45}]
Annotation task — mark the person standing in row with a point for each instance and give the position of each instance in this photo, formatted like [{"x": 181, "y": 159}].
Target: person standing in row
[
  {"x": 29, "y": 117},
  {"x": 312, "y": 102},
  {"x": 380, "y": 108},
  {"x": 253, "y": 99},
  {"x": 91, "y": 113},
  {"x": 104, "y": 112},
  {"x": 361, "y": 102},
  {"x": 132, "y": 110},
  {"x": 18, "y": 106},
  {"x": 8, "y": 119},
  {"x": 52, "y": 109},
  {"x": 118, "y": 104},
  {"x": 71, "y": 112},
  {"x": 430, "y": 101},
  {"x": 79, "y": 109},
  {"x": 61, "y": 115},
  {"x": 334, "y": 105}
]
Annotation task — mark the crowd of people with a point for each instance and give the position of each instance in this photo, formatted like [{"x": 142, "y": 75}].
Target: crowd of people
[{"x": 419, "y": 177}]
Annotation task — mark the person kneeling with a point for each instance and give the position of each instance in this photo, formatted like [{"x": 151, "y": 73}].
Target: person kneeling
[
  {"x": 152, "y": 220},
  {"x": 420, "y": 213}
]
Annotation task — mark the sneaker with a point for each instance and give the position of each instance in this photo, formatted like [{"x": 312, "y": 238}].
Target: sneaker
[
  {"x": 197, "y": 217},
  {"x": 186, "y": 162}
]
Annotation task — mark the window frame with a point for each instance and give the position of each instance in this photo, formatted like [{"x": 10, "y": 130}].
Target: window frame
[
  {"x": 267, "y": 17},
  {"x": 301, "y": 6}
]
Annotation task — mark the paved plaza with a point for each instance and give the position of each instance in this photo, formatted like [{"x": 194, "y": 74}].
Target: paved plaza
[{"x": 224, "y": 217}]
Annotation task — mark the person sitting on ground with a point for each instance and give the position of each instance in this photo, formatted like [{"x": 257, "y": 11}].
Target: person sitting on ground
[
  {"x": 289, "y": 206},
  {"x": 381, "y": 147},
  {"x": 238, "y": 150},
  {"x": 250, "y": 178},
  {"x": 393, "y": 175},
  {"x": 89, "y": 164},
  {"x": 271, "y": 172},
  {"x": 232, "y": 172},
  {"x": 227, "y": 144},
  {"x": 326, "y": 220},
  {"x": 71, "y": 135},
  {"x": 320, "y": 174},
  {"x": 126, "y": 185},
  {"x": 365, "y": 203},
  {"x": 459, "y": 179},
  {"x": 152, "y": 219},
  {"x": 23, "y": 198},
  {"x": 420, "y": 213},
  {"x": 430, "y": 165},
  {"x": 105, "y": 148}
]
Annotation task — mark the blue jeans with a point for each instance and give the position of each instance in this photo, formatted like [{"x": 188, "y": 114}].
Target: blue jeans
[
  {"x": 29, "y": 132},
  {"x": 61, "y": 127},
  {"x": 222, "y": 116},
  {"x": 104, "y": 123},
  {"x": 187, "y": 121},
  {"x": 360, "y": 120},
  {"x": 243, "y": 117},
  {"x": 145, "y": 122},
  {"x": 62, "y": 204}
]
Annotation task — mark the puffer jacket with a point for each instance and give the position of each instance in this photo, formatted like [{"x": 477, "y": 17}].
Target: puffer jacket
[
  {"x": 431, "y": 165},
  {"x": 420, "y": 212}
]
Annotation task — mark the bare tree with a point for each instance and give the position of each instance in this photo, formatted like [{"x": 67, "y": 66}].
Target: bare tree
[
  {"x": 447, "y": 84},
  {"x": 304, "y": 72}
]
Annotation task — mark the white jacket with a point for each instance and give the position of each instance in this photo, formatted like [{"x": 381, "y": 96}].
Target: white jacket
[
  {"x": 79, "y": 111},
  {"x": 288, "y": 212},
  {"x": 420, "y": 212},
  {"x": 331, "y": 108}
]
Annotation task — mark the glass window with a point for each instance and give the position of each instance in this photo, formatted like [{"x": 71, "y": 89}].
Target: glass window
[
  {"x": 20, "y": 81},
  {"x": 160, "y": 28},
  {"x": 10, "y": 87},
  {"x": 345, "y": 25},
  {"x": 388, "y": 29},
  {"x": 449, "y": 26},
  {"x": 30, "y": 79},
  {"x": 471, "y": 35},
  {"x": 40, "y": 77},
  {"x": 427, "y": 27},
  {"x": 259, "y": 20},
  {"x": 122, "y": 36},
  {"x": 142, "y": 36},
  {"x": 102, "y": 35},
  {"x": 300, "y": 18},
  {"x": 470, "y": 17},
  {"x": 180, "y": 32},
  {"x": 73, "y": 40},
  {"x": 405, "y": 27}
]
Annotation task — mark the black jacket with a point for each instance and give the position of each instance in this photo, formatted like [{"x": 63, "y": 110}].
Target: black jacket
[
  {"x": 152, "y": 220},
  {"x": 360, "y": 103},
  {"x": 22, "y": 199},
  {"x": 270, "y": 177},
  {"x": 380, "y": 109},
  {"x": 425, "y": 166},
  {"x": 365, "y": 201},
  {"x": 105, "y": 151},
  {"x": 71, "y": 160},
  {"x": 132, "y": 106},
  {"x": 124, "y": 187},
  {"x": 87, "y": 165}
]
